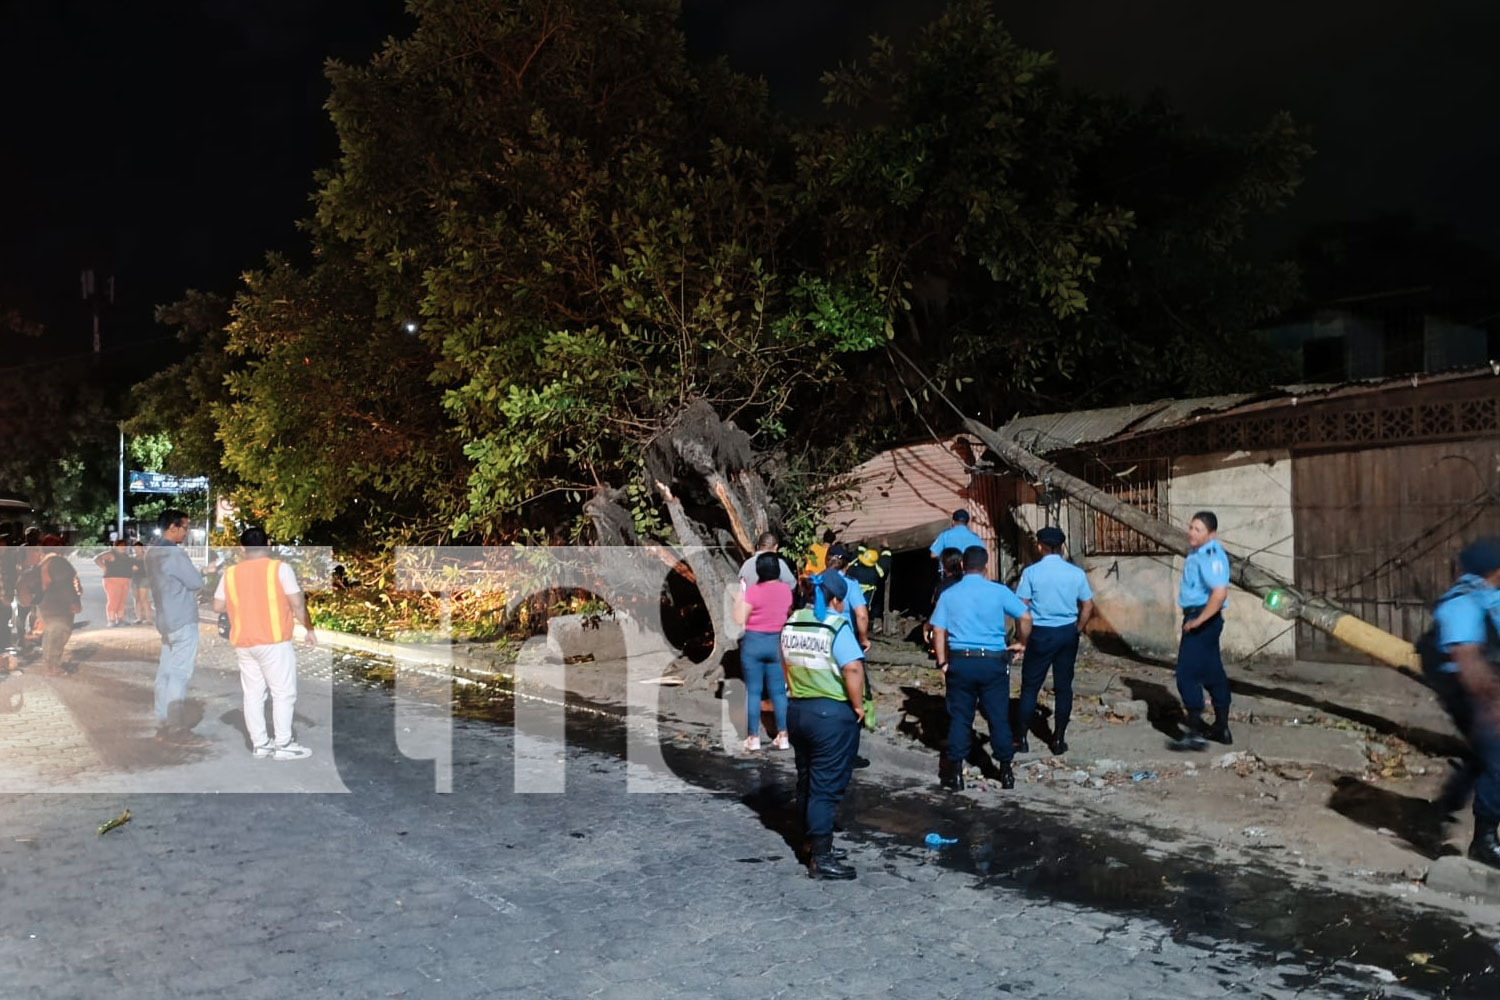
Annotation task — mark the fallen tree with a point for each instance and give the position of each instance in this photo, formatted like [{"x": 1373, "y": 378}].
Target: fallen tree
[{"x": 703, "y": 471}]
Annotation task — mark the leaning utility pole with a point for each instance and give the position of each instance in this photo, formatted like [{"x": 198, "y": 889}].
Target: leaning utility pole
[{"x": 1280, "y": 596}]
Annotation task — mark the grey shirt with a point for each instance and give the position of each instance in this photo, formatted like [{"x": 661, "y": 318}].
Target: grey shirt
[
  {"x": 749, "y": 579},
  {"x": 175, "y": 583}
]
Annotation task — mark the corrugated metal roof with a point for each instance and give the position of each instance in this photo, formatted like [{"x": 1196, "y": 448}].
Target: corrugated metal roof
[
  {"x": 904, "y": 488},
  {"x": 1059, "y": 431},
  {"x": 1055, "y": 431}
]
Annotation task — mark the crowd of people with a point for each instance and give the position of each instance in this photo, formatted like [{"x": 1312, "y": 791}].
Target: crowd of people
[
  {"x": 160, "y": 585},
  {"x": 807, "y": 636}
]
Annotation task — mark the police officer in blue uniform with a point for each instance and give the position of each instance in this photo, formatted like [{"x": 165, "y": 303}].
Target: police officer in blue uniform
[
  {"x": 825, "y": 678},
  {"x": 1203, "y": 595},
  {"x": 1061, "y": 603},
  {"x": 1467, "y": 621},
  {"x": 957, "y": 536},
  {"x": 855, "y": 605},
  {"x": 968, "y": 633}
]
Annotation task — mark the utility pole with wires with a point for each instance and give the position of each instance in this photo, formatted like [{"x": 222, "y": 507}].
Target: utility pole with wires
[{"x": 1279, "y": 595}]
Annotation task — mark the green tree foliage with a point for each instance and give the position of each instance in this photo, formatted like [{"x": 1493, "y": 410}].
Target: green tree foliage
[
  {"x": 1039, "y": 247},
  {"x": 60, "y": 445},
  {"x": 549, "y": 238}
]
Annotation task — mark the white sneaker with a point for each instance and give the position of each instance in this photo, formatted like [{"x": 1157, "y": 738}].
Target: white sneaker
[
  {"x": 290, "y": 751},
  {"x": 262, "y": 752},
  {"x": 752, "y": 744},
  {"x": 781, "y": 743}
]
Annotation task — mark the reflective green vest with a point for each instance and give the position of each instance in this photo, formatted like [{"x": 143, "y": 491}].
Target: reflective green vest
[{"x": 807, "y": 648}]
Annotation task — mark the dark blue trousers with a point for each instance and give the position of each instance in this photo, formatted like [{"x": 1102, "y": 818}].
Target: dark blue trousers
[
  {"x": 1484, "y": 739},
  {"x": 825, "y": 739},
  {"x": 1053, "y": 647},
  {"x": 1200, "y": 666},
  {"x": 974, "y": 682}
]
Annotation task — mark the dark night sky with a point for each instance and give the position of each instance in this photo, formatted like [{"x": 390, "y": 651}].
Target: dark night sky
[{"x": 172, "y": 143}]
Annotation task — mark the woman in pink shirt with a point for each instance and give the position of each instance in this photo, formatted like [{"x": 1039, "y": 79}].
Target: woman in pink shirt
[{"x": 763, "y": 609}]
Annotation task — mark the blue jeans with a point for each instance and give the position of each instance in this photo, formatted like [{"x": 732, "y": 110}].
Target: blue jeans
[
  {"x": 1054, "y": 647},
  {"x": 1200, "y": 666},
  {"x": 179, "y": 654},
  {"x": 760, "y": 659},
  {"x": 825, "y": 740},
  {"x": 974, "y": 682}
]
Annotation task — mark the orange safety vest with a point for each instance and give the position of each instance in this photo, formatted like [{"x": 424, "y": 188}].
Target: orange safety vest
[{"x": 259, "y": 613}]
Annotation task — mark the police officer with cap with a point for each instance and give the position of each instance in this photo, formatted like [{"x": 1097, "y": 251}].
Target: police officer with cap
[
  {"x": 968, "y": 633},
  {"x": 1061, "y": 603},
  {"x": 958, "y": 536},
  {"x": 825, "y": 676},
  {"x": 1467, "y": 622},
  {"x": 1203, "y": 595},
  {"x": 855, "y": 604}
]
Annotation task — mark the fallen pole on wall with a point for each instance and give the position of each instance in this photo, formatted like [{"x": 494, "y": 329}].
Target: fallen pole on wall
[{"x": 1278, "y": 595}]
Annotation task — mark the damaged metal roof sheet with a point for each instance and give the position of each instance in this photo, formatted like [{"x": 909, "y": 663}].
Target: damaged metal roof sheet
[
  {"x": 1051, "y": 432},
  {"x": 1057, "y": 431}
]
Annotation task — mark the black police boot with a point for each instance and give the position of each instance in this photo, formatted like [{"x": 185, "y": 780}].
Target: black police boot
[
  {"x": 825, "y": 864},
  {"x": 1058, "y": 746},
  {"x": 1485, "y": 847},
  {"x": 1020, "y": 745},
  {"x": 1007, "y": 776},
  {"x": 1219, "y": 731},
  {"x": 1192, "y": 735},
  {"x": 951, "y": 775},
  {"x": 838, "y": 852}
]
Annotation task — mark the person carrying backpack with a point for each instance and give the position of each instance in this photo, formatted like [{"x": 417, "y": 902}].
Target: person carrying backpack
[{"x": 1461, "y": 658}]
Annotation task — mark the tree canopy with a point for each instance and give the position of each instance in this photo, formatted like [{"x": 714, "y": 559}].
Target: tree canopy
[{"x": 559, "y": 270}]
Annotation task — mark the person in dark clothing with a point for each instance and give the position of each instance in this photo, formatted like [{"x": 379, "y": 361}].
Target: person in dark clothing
[{"x": 1467, "y": 621}]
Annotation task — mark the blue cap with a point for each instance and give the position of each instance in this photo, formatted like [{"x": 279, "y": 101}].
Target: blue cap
[
  {"x": 961, "y": 516},
  {"x": 1480, "y": 557},
  {"x": 834, "y": 585}
]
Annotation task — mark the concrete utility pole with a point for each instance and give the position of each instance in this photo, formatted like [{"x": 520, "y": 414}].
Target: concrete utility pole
[{"x": 1279, "y": 595}]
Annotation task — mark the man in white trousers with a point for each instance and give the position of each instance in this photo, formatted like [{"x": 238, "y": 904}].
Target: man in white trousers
[{"x": 263, "y": 598}]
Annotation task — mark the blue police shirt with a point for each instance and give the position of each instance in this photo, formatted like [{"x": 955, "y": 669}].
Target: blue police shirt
[
  {"x": 1053, "y": 588},
  {"x": 846, "y": 647},
  {"x": 1205, "y": 569},
  {"x": 855, "y": 598},
  {"x": 1460, "y": 615},
  {"x": 957, "y": 537},
  {"x": 973, "y": 611}
]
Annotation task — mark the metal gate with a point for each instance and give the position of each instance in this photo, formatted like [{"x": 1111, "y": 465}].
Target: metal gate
[{"x": 1377, "y": 530}]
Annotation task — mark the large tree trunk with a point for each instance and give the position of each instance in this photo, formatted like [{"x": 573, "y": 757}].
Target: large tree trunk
[{"x": 703, "y": 470}]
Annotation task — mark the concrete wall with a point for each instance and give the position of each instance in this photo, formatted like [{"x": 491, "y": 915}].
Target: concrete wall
[{"x": 1136, "y": 596}]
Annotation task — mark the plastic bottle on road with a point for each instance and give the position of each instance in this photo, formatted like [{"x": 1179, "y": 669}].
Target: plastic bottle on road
[{"x": 938, "y": 840}]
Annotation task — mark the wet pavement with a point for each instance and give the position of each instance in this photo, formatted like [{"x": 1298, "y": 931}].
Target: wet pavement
[{"x": 391, "y": 889}]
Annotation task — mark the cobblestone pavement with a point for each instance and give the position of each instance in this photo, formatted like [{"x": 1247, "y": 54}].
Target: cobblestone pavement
[{"x": 393, "y": 890}]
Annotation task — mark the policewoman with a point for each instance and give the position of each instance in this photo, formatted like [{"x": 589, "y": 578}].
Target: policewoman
[
  {"x": 1203, "y": 595},
  {"x": 1467, "y": 620},
  {"x": 968, "y": 634},
  {"x": 1061, "y": 603},
  {"x": 825, "y": 676}
]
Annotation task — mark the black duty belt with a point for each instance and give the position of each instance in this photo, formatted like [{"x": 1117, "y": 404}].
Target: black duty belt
[{"x": 956, "y": 653}]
